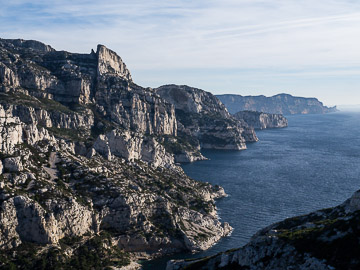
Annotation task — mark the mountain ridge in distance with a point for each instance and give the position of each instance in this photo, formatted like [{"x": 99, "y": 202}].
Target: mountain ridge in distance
[{"x": 278, "y": 104}]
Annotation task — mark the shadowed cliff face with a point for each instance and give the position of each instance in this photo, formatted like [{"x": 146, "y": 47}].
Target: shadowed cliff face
[
  {"x": 278, "y": 104},
  {"x": 87, "y": 164}
]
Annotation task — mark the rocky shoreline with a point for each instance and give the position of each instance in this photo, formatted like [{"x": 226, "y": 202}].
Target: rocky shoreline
[{"x": 319, "y": 240}]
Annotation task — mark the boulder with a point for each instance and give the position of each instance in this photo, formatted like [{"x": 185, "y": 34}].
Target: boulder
[{"x": 13, "y": 164}]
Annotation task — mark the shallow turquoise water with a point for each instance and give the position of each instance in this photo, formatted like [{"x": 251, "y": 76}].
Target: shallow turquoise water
[{"x": 312, "y": 164}]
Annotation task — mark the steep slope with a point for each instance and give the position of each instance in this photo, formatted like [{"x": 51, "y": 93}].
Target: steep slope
[
  {"x": 278, "y": 104},
  {"x": 259, "y": 120},
  {"x": 203, "y": 116},
  {"x": 326, "y": 239},
  {"x": 85, "y": 177}
]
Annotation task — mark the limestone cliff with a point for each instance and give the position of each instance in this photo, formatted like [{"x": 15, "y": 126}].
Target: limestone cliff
[
  {"x": 85, "y": 166},
  {"x": 278, "y": 104},
  {"x": 322, "y": 240},
  {"x": 259, "y": 120},
  {"x": 203, "y": 116}
]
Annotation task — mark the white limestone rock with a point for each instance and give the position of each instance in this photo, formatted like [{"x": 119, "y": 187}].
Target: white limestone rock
[
  {"x": 132, "y": 146},
  {"x": 8, "y": 77},
  {"x": 195, "y": 223},
  {"x": 110, "y": 63},
  {"x": 189, "y": 156}
]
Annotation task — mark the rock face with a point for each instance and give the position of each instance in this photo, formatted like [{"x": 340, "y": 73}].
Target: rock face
[
  {"x": 133, "y": 147},
  {"x": 87, "y": 164},
  {"x": 110, "y": 63},
  {"x": 259, "y": 120},
  {"x": 325, "y": 239},
  {"x": 204, "y": 117},
  {"x": 278, "y": 104}
]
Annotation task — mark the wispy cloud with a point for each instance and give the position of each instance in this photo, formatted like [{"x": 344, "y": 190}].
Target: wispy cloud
[{"x": 311, "y": 39}]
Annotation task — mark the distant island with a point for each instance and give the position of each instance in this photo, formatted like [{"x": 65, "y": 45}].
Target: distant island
[{"x": 278, "y": 104}]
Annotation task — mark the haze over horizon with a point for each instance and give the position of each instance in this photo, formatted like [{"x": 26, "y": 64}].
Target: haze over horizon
[{"x": 246, "y": 47}]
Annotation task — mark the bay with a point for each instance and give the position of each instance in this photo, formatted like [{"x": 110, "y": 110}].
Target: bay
[{"x": 312, "y": 164}]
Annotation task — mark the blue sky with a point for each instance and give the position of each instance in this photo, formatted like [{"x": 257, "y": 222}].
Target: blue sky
[{"x": 248, "y": 47}]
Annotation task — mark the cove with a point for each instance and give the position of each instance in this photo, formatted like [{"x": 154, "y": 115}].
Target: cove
[{"x": 312, "y": 164}]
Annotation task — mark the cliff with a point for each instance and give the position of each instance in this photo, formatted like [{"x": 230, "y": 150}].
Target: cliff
[
  {"x": 86, "y": 176},
  {"x": 278, "y": 104},
  {"x": 325, "y": 239},
  {"x": 259, "y": 120},
  {"x": 203, "y": 116}
]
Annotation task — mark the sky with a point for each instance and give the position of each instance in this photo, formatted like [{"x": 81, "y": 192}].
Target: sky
[{"x": 248, "y": 47}]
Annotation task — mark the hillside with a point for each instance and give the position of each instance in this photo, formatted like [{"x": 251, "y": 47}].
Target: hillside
[{"x": 88, "y": 177}]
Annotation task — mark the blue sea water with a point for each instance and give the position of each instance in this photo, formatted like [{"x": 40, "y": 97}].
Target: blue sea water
[{"x": 312, "y": 164}]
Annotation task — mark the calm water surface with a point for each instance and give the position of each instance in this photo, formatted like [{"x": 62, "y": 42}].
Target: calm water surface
[{"x": 312, "y": 164}]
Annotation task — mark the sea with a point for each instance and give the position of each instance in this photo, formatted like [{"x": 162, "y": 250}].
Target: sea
[{"x": 312, "y": 164}]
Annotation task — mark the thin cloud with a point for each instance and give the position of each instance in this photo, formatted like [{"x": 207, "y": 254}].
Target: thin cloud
[
  {"x": 227, "y": 36},
  {"x": 284, "y": 25}
]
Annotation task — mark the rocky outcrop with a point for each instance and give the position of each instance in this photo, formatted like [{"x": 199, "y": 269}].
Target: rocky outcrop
[
  {"x": 13, "y": 164},
  {"x": 132, "y": 146},
  {"x": 192, "y": 100},
  {"x": 25, "y": 220},
  {"x": 325, "y": 239},
  {"x": 259, "y": 120},
  {"x": 13, "y": 131},
  {"x": 203, "y": 116},
  {"x": 278, "y": 104},
  {"x": 7, "y": 77},
  {"x": 187, "y": 156},
  {"x": 110, "y": 63}
]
